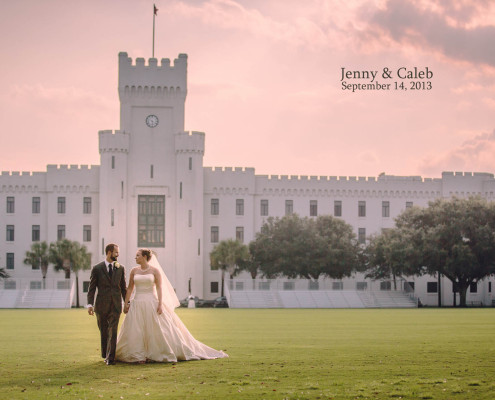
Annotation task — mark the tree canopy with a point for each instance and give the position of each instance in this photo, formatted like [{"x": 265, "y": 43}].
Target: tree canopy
[
  {"x": 304, "y": 247},
  {"x": 454, "y": 237}
]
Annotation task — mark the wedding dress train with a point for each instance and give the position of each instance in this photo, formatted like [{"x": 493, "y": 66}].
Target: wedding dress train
[{"x": 146, "y": 335}]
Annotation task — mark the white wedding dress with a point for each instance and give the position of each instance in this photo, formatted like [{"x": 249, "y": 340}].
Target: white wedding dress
[{"x": 146, "y": 335}]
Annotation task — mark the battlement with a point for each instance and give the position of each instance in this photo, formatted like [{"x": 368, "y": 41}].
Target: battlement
[
  {"x": 230, "y": 169},
  {"x": 71, "y": 167},
  {"x": 113, "y": 141},
  {"x": 450, "y": 174},
  {"x": 152, "y": 80},
  {"x": 190, "y": 142}
]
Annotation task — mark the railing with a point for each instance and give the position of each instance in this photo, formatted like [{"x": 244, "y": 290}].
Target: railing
[
  {"x": 36, "y": 284},
  {"x": 294, "y": 284}
]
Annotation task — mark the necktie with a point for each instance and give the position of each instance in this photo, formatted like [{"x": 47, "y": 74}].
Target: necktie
[{"x": 110, "y": 269}]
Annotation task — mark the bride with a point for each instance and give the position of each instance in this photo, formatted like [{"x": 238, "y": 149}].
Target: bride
[{"x": 151, "y": 330}]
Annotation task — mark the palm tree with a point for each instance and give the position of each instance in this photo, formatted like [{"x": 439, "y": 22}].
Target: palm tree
[
  {"x": 38, "y": 257},
  {"x": 70, "y": 256},
  {"x": 3, "y": 274},
  {"x": 227, "y": 256}
]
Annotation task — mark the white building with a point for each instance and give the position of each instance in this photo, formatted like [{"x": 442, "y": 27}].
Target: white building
[{"x": 152, "y": 190}]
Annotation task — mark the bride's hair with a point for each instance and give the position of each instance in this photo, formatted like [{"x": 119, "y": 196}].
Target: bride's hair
[{"x": 146, "y": 253}]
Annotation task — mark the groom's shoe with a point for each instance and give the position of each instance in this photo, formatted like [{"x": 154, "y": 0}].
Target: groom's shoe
[{"x": 110, "y": 362}]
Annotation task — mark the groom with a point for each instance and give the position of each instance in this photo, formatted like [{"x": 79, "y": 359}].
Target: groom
[{"x": 109, "y": 277}]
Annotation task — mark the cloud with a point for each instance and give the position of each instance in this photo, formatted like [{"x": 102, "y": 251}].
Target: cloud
[
  {"x": 451, "y": 30},
  {"x": 474, "y": 154}
]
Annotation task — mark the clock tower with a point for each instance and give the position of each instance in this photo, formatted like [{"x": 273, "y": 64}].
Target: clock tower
[{"x": 151, "y": 179}]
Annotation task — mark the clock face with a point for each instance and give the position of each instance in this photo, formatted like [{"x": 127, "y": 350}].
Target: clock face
[{"x": 152, "y": 121}]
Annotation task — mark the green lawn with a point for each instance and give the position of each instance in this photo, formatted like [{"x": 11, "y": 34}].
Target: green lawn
[{"x": 274, "y": 354}]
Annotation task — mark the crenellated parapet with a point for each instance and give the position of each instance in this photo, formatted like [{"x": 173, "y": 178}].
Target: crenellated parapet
[
  {"x": 113, "y": 141},
  {"x": 152, "y": 80},
  {"x": 190, "y": 142}
]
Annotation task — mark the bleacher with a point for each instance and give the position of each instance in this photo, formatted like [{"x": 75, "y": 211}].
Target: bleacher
[
  {"x": 318, "y": 299},
  {"x": 49, "y": 298}
]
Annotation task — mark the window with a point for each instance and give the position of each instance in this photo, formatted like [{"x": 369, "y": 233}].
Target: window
[
  {"x": 337, "y": 208},
  {"x": 239, "y": 233},
  {"x": 361, "y": 285},
  {"x": 337, "y": 285},
  {"x": 10, "y": 233},
  {"x": 85, "y": 286},
  {"x": 35, "y": 285},
  {"x": 199, "y": 247},
  {"x": 215, "y": 206},
  {"x": 10, "y": 261},
  {"x": 313, "y": 208},
  {"x": 289, "y": 285},
  {"x": 151, "y": 171},
  {"x": 362, "y": 209},
  {"x": 60, "y": 232},
  {"x": 473, "y": 288},
  {"x": 61, "y": 205},
  {"x": 314, "y": 285},
  {"x": 121, "y": 189},
  {"x": 214, "y": 234},
  {"x": 8, "y": 284},
  {"x": 87, "y": 205},
  {"x": 361, "y": 235},
  {"x": 239, "y": 286},
  {"x": 112, "y": 217},
  {"x": 87, "y": 233},
  {"x": 10, "y": 205},
  {"x": 431, "y": 287},
  {"x": 151, "y": 220},
  {"x": 36, "y": 266},
  {"x": 190, "y": 163},
  {"x": 189, "y": 218},
  {"x": 180, "y": 190},
  {"x": 113, "y": 162},
  {"x": 35, "y": 233},
  {"x": 36, "y": 205},
  {"x": 264, "y": 285},
  {"x": 213, "y": 287},
  {"x": 264, "y": 208},
  {"x": 289, "y": 207},
  {"x": 386, "y": 285},
  {"x": 239, "y": 207},
  {"x": 385, "y": 209},
  {"x": 489, "y": 287},
  {"x": 409, "y": 287},
  {"x": 409, "y": 204}
]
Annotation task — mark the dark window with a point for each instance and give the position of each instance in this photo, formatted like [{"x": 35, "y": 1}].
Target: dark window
[
  {"x": 314, "y": 285},
  {"x": 239, "y": 207},
  {"x": 361, "y": 285},
  {"x": 180, "y": 190},
  {"x": 215, "y": 206},
  {"x": 264, "y": 208},
  {"x": 190, "y": 163},
  {"x": 362, "y": 209},
  {"x": 87, "y": 205},
  {"x": 409, "y": 204},
  {"x": 362, "y": 235},
  {"x": 36, "y": 205},
  {"x": 385, "y": 285},
  {"x": 151, "y": 221},
  {"x": 85, "y": 286},
  {"x": 337, "y": 208},
  {"x": 432, "y": 287},
  {"x": 214, "y": 234},
  {"x": 61, "y": 205},
  {"x": 239, "y": 233},
  {"x": 473, "y": 288},
  {"x": 489, "y": 287},
  {"x": 313, "y": 208},
  {"x": 289, "y": 207},
  {"x": 10, "y": 233},
  {"x": 213, "y": 287},
  {"x": 60, "y": 232},
  {"x": 10, "y": 261},
  {"x": 113, "y": 162},
  {"x": 112, "y": 217},
  {"x": 385, "y": 209},
  {"x": 151, "y": 171},
  {"x": 87, "y": 233},
  {"x": 10, "y": 205},
  {"x": 35, "y": 233}
]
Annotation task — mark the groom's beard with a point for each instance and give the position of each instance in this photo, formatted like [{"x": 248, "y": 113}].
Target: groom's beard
[{"x": 113, "y": 258}]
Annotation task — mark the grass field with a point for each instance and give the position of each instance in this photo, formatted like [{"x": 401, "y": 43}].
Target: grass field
[{"x": 274, "y": 354}]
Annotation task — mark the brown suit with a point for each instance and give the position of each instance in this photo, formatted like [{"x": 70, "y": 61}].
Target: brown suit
[{"x": 108, "y": 306}]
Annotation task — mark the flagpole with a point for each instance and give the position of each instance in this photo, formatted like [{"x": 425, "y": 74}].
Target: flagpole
[{"x": 154, "y": 13}]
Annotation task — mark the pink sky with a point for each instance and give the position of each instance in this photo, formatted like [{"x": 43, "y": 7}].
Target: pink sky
[{"x": 263, "y": 82}]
